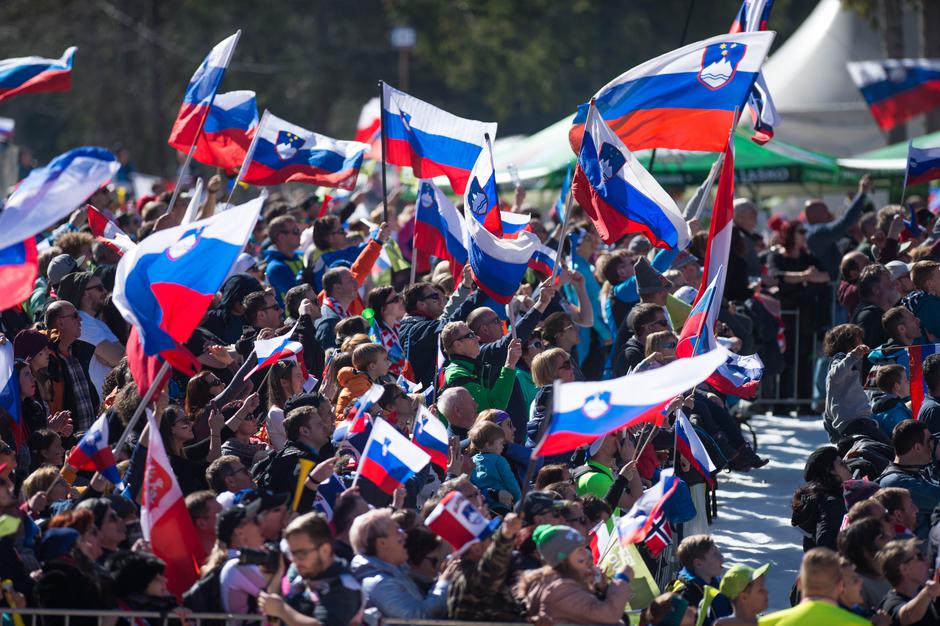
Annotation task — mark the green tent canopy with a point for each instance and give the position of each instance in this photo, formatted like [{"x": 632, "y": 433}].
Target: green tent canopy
[{"x": 890, "y": 159}]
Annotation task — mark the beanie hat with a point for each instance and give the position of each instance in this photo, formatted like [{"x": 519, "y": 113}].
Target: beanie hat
[
  {"x": 857, "y": 490},
  {"x": 61, "y": 266},
  {"x": 56, "y": 542},
  {"x": 28, "y": 343},
  {"x": 555, "y": 543},
  {"x": 648, "y": 280},
  {"x": 72, "y": 287}
]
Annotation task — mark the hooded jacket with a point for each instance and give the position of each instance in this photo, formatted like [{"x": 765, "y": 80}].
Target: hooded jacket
[
  {"x": 220, "y": 321},
  {"x": 845, "y": 398},
  {"x": 392, "y": 591},
  {"x": 354, "y": 384}
]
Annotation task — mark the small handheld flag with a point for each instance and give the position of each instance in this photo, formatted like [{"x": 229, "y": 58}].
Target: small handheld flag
[
  {"x": 459, "y": 523},
  {"x": 431, "y": 436},
  {"x": 389, "y": 459},
  {"x": 94, "y": 453}
]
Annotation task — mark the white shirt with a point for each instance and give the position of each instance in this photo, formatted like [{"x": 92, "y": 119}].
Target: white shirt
[
  {"x": 94, "y": 331},
  {"x": 277, "y": 435}
]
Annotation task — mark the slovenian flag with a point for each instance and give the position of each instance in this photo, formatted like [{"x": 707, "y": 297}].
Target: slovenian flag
[
  {"x": 94, "y": 453},
  {"x": 286, "y": 153},
  {"x": 619, "y": 195},
  {"x": 390, "y": 460},
  {"x": 369, "y": 128},
  {"x": 684, "y": 99},
  {"x": 582, "y": 412},
  {"x": 230, "y": 123},
  {"x": 690, "y": 446},
  {"x": 430, "y": 140},
  {"x": 459, "y": 523},
  {"x": 897, "y": 89},
  {"x": 753, "y": 16},
  {"x": 923, "y": 165},
  {"x": 360, "y": 418},
  {"x": 19, "y": 266},
  {"x": 200, "y": 94},
  {"x": 36, "y": 74},
  {"x": 108, "y": 233},
  {"x": 440, "y": 229},
  {"x": 543, "y": 260},
  {"x": 431, "y": 436}
]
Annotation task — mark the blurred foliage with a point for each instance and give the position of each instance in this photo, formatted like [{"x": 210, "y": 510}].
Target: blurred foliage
[{"x": 524, "y": 63}]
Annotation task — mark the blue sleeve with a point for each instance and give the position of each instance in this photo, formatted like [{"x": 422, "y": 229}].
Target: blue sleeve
[
  {"x": 664, "y": 258},
  {"x": 281, "y": 279},
  {"x": 507, "y": 479},
  {"x": 626, "y": 291},
  {"x": 134, "y": 476}
]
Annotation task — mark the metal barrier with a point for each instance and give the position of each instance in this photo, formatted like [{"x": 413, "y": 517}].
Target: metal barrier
[{"x": 792, "y": 397}]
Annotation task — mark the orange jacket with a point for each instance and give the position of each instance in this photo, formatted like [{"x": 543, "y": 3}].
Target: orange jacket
[
  {"x": 361, "y": 270},
  {"x": 354, "y": 384}
]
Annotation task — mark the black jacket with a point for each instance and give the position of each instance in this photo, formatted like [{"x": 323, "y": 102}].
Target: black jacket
[
  {"x": 418, "y": 336},
  {"x": 333, "y": 597},
  {"x": 629, "y": 357},
  {"x": 818, "y": 514},
  {"x": 220, "y": 320},
  {"x": 284, "y": 469},
  {"x": 868, "y": 316}
]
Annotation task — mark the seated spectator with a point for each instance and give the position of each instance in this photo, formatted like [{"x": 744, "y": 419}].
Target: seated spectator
[
  {"x": 563, "y": 590},
  {"x": 491, "y": 471},
  {"x": 913, "y": 595},
  {"x": 462, "y": 347},
  {"x": 284, "y": 381},
  {"x": 851, "y": 598},
  {"x": 597, "y": 476},
  {"x": 903, "y": 330},
  {"x": 888, "y": 408},
  {"x": 925, "y": 302},
  {"x": 226, "y": 476},
  {"x": 370, "y": 366},
  {"x": 69, "y": 578},
  {"x": 307, "y": 435},
  {"x": 746, "y": 589},
  {"x": 643, "y": 320},
  {"x": 700, "y": 577},
  {"x": 140, "y": 583},
  {"x": 878, "y": 292},
  {"x": 669, "y": 608},
  {"x": 660, "y": 350},
  {"x": 820, "y": 584},
  {"x": 929, "y": 412},
  {"x": 379, "y": 565},
  {"x": 204, "y": 510},
  {"x": 914, "y": 455}
]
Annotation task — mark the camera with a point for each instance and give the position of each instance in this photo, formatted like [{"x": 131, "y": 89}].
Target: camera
[{"x": 268, "y": 559}]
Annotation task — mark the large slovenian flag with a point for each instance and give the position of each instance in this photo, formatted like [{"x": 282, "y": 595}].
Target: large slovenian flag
[
  {"x": 430, "y": 140},
  {"x": 389, "y": 459},
  {"x": 226, "y": 136},
  {"x": 200, "y": 94},
  {"x": 10, "y": 400},
  {"x": 36, "y": 74},
  {"x": 923, "y": 165},
  {"x": 690, "y": 446},
  {"x": 638, "y": 521},
  {"x": 582, "y": 412},
  {"x": 165, "y": 285},
  {"x": 619, "y": 195},
  {"x": 108, "y": 233},
  {"x": 684, "y": 99},
  {"x": 897, "y": 89},
  {"x": 286, "y": 153},
  {"x": 498, "y": 264},
  {"x": 164, "y": 520},
  {"x": 916, "y": 356},
  {"x": 431, "y": 436},
  {"x": 94, "y": 453},
  {"x": 753, "y": 16},
  {"x": 440, "y": 229}
]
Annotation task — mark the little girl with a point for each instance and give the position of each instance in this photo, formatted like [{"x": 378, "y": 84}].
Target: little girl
[{"x": 491, "y": 472}]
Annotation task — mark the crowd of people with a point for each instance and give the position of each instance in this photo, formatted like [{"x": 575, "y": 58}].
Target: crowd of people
[{"x": 340, "y": 549}]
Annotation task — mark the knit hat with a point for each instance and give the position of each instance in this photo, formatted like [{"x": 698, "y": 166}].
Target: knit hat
[
  {"x": 56, "y": 542},
  {"x": 555, "y": 543},
  {"x": 28, "y": 343},
  {"x": 648, "y": 280},
  {"x": 72, "y": 287},
  {"x": 61, "y": 266},
  {"x": 738, "y": 577},
  {"x": 857, "y": 490}
]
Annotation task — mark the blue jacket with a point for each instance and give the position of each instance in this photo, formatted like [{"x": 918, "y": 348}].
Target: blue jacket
[
  {"x": 392, "y": 591},
  {"x": 925, "y": 491},
  {"x": 282, "y": 272},
  {"x": 888, "y": 410},
  {"x": 492, "y": 471}
]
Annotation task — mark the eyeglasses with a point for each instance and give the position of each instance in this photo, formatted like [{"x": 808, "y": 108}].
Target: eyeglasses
[
  {"x": 431, "y": 296},
  {"x": 657, "y": 323},
  {"x": 270, "y": 307},
  {"x": 302, "y": 553},
  {"x": 470, "y": 335},
  {"x": 537, "y": 345}
]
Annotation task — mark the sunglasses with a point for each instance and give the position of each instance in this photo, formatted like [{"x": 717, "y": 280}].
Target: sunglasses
[
  {"x": 269, "y": 308},
  {"x": 470, "y": 335},
  {"x": 431, "y": 296}
]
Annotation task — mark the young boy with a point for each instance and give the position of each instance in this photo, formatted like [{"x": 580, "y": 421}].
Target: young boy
[
  {"x": 925, "y": 301},
  {"x": 370, "y": 364},
  {"x": 887, "y": 407},
  {"x": 491, "y": 472},
  {"x": 702, "y": 564},
  {"x": 744, "y": 586}
]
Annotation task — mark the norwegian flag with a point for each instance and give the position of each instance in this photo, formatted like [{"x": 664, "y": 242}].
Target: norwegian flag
[{"x": 659, "y": 537}]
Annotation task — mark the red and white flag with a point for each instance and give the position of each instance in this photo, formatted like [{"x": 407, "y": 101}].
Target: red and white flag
[
  {"x": 107, "y": 232},
  {"x": 369, "y": 128},
  {"x": 164, "y": 520}
]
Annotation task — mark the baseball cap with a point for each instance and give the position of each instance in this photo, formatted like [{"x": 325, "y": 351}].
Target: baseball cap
[
  {"x": 538, "y": 502},
  {"x": 898, "y": 269},
  {"x": 738, "y": 577},
  {"x": 61, "y": 266},
  {"x": 55, "y": 542},
  {"x": 268, "y": 499},
  {"x": 231, "y": 518}
]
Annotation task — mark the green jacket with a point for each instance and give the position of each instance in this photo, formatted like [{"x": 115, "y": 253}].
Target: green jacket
[{"x": 462, "y": 372}]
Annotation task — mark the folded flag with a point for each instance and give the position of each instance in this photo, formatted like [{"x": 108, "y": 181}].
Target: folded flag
[
  {"x": 200, "y": 94},
  {"x": 690, "y": 446},
  {"x": 231, "y": 119},
  {"x": 19, "y": 266},
  {"x": 923, "y": 165},
  {"x": 108, "y": 233},
  {"x": 430, "y": 435},
  {"x": 440, "y": 229},
  {"x": 459, "y": 523},
  {"x": 165, "y": 285},
  {"x": 390, "y": 460},
  {"x": 369, "y": 128},
  {"x": 10, "y": 392},
  {"x": 916, "y": 356},
  {"x": 582, "y": 412},
  {"x": 430, "y": 140},
  {"x": 36, "y": 74},
  {"x": 270, "y": 351},
  {"x": 619, "y": 195},
  {"x": 406, "y": 385},
  {"x": 753, "y": 16},
  {"x": 53, "y": 191},
  {"x": 543, "y": 260},
  {"x": 684, "y": 99},
  {"x": 94, "y": 453},
  {"x": 164, "y": 520},
  {"x": 897, "y": 89},
  {"x": 286, "y": 153},
  {"x": 635, "y": 526}
]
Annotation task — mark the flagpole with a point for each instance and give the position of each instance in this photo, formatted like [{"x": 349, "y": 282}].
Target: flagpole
[
  {"x": 248, "y": 156},
  {"x": 414, "y": 237},
  {"x": 907, "y": 168},
  {"x": 384, "y": 175},
  {"x": 185, "y": 166},
  {"x": 564, "y": 224}
]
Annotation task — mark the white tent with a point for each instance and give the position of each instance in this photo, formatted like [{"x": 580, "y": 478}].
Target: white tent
[{"x": 820, "y": 107}]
